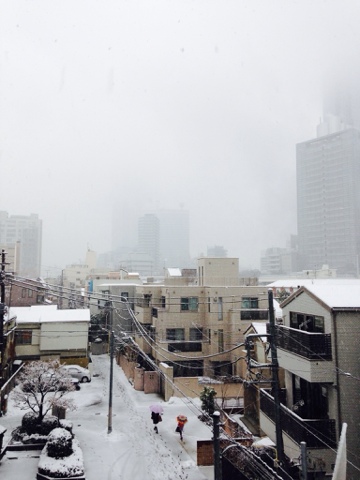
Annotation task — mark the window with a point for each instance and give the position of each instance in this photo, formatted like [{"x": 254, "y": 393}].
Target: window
[
  {"x": 307, "y": 323},
  {"x": 185, "y": 347},
  {"x": 23, "y": 337},
  {"x": 196, "y": 334},
  {"x": 163, "y": 302},
  {"x": 30, "y": 293},
  {"x": 220, "y": 308},
  {"x": 189, "y": 304},
  {"x": 249, "y": 302},
  {"x": 221, "y": 340},
  {"x": 175, "y": 334},
  {"x": 23, "y": 292},
  {"x": 124, "y": 296},
  {"x": 254, "y": 314}
]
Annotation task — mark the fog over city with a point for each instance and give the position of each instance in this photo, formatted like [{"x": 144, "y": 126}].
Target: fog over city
[{"x": 145, "y": 105}]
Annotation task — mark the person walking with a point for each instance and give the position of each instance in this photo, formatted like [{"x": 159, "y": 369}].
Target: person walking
[
  {"x": 181, "y": 420},
  {"x": 156, "y": 418},
  {"x": 156, "y": 412}
]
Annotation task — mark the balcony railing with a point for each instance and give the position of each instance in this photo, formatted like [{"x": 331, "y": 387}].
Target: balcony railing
[
  {"x": 314, "y": 346},
  {"x": 317, "y": 433}
]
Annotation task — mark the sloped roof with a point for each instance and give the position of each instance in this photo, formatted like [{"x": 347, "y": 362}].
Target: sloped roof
[{"x": 337, "y": 296}]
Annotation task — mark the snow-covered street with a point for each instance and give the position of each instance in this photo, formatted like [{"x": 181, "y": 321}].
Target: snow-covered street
[{"x": 132, "y": 451}]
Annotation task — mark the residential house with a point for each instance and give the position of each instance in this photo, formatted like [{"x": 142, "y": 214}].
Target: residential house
[
  {"x": 318, "y": 349},
  {"x": 44, "y": 332},
  {"x": 26, "y": 292},
  {"x": 7, "y": 355}
]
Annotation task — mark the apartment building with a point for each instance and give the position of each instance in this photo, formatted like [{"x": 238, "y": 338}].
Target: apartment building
[
  {"x": 317, "y": 348},
  {"x": 195, "y": 320},
  {"x": 44, "y": 332},
  {"x": 25, "y": 231}
]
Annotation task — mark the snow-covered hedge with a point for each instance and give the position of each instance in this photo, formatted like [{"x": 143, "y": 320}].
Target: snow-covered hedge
[{"x": 61, "y": 457}]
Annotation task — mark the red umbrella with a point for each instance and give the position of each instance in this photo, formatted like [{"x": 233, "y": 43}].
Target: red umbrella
[{"x": 181, "y": 418}]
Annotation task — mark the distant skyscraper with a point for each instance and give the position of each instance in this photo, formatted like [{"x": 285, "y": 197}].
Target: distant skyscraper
[
  {"x": 174, "y": 238},
  {"x": 328, "y": 197},
  {"x": 149, "y": 238},
  {"x": 28, "y": 231}
]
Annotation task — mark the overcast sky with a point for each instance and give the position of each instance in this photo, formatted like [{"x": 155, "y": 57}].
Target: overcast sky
[{"x": 164, "y": 103}]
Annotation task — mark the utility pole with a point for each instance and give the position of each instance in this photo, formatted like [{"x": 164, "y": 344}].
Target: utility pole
[
  {"x": 275, "y": 382},
  {"x": 217, "y": 461},
  {"x": 111, "y": 367},
  {"x": 111, "y": 381},
  {"x": 2, "y": 313},
  {"x": 303, "y": 458}
]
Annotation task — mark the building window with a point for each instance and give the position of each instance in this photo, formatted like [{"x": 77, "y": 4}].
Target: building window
[
  {"x": 254, "y": 314},
  {"x": 163, "y": 301},
  {"x": 40, "y": 299},
  {"x": 221, "y": 340},
  {"x": 307, "y": 323},
  {"x": 23, "y": 337},
  {"x": 249, "y": 302},
  {"x": 220, "y": 308},
  {"x": 175, "y": 334},
  {"x": 124, "y": 296},
  {"x": 189, "y": 304},
  {"x": 30, "y": 293},
  {"x": 23, "y": 292},
  {"x": 196, "y": 334}
]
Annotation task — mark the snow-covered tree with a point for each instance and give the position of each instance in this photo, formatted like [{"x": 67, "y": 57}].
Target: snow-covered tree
[{"x": 41, "y": 386}]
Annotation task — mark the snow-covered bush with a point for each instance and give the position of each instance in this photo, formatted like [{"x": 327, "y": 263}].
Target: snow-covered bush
[
  {"x": 66, "y": 466},
  {"x": 30, "y": 423},
  {"x": 48, "y": 424},
  {"x": 59, "y": 443}
]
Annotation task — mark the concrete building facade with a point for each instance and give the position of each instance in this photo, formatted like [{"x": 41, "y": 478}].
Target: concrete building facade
[
  {"x": 27, "y": 231},
  {"x": 328, "y": 201},
  {"x": 317, "y": 349}
]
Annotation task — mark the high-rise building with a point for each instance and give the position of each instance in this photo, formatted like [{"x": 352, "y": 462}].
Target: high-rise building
[
  {"x": 328, "y": 197},
  {"x": 131, "y": 244},
  {"x": 149, "y": 237},
  {"x": 27, "y": 230},
  {"x": 174, "y": 237}
]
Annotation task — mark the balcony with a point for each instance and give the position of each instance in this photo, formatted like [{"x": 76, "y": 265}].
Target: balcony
[
  {"x": 317, "y": 433},
  {"x": 313, "y": 346}
]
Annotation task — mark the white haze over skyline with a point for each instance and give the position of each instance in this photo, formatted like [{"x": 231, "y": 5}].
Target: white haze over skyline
[{"x": 163, "y": 104}]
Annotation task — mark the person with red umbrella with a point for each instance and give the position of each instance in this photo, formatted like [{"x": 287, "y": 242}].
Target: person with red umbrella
[{"x": 181, "y": 420}]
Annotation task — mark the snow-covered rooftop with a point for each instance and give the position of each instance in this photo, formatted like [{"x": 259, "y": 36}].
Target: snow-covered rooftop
[
  {"x": 48, "y": 313},
  {"x": 305, "y": 282},
  {"x": 337, "y": 295},
  {"x": 174, "y": 272}
]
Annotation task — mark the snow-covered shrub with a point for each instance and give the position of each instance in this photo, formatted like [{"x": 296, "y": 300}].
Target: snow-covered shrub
[
  {"x": 62, "y": 467},
  {"x": 67, "y": 425},
  {"x": 30, "y": 423},
  {"x": 59, "y": 443},
  {"x": 48, "y": 424}
]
